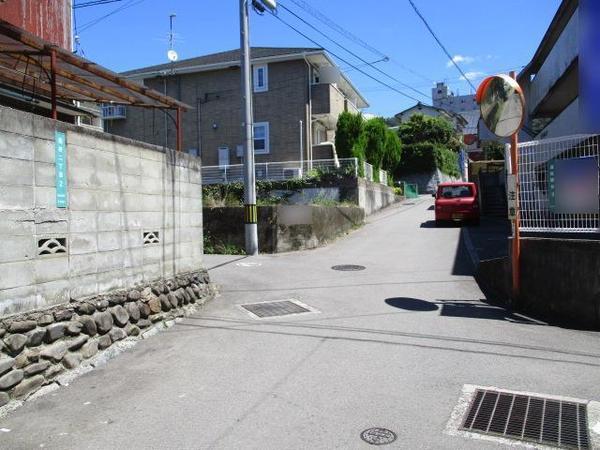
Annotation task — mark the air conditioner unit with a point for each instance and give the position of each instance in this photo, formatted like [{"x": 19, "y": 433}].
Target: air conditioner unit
[{"x": 292, "y": 172}]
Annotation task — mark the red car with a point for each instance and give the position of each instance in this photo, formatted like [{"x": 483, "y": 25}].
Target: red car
[{"x": 456, "y": 201}]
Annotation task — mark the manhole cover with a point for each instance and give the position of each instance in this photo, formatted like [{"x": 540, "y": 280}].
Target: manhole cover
[
  {"x": 378, "y": 436},
  {"x": 275, "y": 309},
  {"x": 528, "y": 418},
  {"x": 348, "y": 267}
]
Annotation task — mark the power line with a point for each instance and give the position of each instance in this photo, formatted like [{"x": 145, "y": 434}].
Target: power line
[
  {"x": 94, "y": 3},
  {"x": 343, "y": 59},
  {"x": 364, "y": 61},
  {"x": 91, "y": 23},
  {"x": 440, "y": 44},
  {"x": 349, "y": 35}
]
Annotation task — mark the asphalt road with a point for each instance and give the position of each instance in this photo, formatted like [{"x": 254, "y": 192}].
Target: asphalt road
[{"x": 391, "y": 346}]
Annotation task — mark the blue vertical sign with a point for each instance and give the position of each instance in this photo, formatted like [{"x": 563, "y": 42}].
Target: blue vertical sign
[
  {"x": 60, "y": 162},
  {"x": 589, "y": 65}
]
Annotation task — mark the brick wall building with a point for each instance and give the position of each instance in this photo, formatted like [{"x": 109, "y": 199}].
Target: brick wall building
[{"x": 298, "y": 94}]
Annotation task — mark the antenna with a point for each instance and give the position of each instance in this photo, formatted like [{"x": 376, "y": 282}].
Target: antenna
[{"x": 171, "y": 53}]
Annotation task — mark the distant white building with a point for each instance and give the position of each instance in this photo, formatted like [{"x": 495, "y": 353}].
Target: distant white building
[{"x": 443, "y": 98}]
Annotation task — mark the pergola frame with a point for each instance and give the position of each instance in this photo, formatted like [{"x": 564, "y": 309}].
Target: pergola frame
[{"x": 31, "y": 64}]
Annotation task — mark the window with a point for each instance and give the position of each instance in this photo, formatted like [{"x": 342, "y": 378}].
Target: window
[
  {"x": 261, "y": 78},
  {"x": 456, "y": 191},
  {"x": 261, "y": 138}
]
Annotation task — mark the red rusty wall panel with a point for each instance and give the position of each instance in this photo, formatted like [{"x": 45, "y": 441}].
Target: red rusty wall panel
[{"x": 48, "y": 19}]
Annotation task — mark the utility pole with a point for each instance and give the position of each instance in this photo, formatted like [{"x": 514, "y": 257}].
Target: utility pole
[{"x": 250, "y": 211}]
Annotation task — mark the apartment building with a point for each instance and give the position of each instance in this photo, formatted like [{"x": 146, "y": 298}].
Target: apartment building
[{"x": 298, "y": 95}]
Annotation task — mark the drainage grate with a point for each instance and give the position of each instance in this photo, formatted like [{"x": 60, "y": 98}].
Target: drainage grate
[
  {"x": 378, "y": 436},
  {"x": 275, "y": 309},
  {"x": 523, "y": 417},
  {"x": 348, "y": 267}
]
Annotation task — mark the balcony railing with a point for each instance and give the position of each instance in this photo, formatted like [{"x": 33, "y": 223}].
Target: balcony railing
[{"x": 110, "y": 112}]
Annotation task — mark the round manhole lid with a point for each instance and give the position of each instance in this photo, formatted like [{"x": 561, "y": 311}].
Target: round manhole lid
[
  {"x": 378, "y": 436},
  {"x": 348, "y": 267}
]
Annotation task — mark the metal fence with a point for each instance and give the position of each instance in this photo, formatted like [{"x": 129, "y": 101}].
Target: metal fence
[
  {"x": 368, "y": 171},
  {"x": 558, "y": 182},
  {"x": 276, "y": 171}
]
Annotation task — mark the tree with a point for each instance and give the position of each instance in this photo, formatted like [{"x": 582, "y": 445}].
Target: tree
[
  {"x": 493, "y": 150},
  {"x": 348, "y": 130},
  {"x": 435, "y": 130},
  {"x": 393, "y": 151},
  {"x": 428, "y": 143}
]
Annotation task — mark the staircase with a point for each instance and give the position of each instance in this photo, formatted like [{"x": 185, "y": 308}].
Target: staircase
[{"x": 494, "y": 201}]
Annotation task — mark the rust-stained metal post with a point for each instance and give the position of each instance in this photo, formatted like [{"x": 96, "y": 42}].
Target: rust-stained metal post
[
  {"x": 516, "y": 241},
  {"x": 53, "y": 83},
  {"x": 179, "y": 139}
]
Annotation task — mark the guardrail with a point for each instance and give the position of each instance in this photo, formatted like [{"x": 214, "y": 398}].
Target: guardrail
[{"x": 282, "y": 170}]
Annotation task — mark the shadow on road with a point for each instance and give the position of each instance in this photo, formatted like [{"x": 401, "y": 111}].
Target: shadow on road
[{"x": 460, "y": 308}]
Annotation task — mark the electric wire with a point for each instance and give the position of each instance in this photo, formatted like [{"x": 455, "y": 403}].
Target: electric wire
[
  {"x": 345, "y": 61},
  {"x": 94, "y": 3},
  {"x": 364, "y": 61},
  {"x": 94, "y": 22},
  {"x": 440, "y": 44},
  {"x": 352, "y": 37}
]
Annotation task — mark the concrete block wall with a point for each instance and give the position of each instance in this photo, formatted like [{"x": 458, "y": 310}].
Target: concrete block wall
[{"x": 118, "y": 190}]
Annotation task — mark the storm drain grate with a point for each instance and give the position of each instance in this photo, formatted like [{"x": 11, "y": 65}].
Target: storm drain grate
[
  {"x": 523, "y": 417},
  {"x": 348, "y": 267},
  {"x": 275, "y": 309}
]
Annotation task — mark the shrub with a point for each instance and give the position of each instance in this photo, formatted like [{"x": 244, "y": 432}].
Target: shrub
[
  {"x": 348, "y": 129},
  {"x": 426, "y": 157}
]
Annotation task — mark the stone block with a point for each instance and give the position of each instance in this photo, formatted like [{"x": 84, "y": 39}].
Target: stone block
[
  {"x": 120, "y": 315},
  {"x": 16, "y": 172},
  {"x": 28, "y": 386},
  {"x": 104, "y": 341},
  {"x": 77, "y": 343},
  {"x": 45, "y": 174},
  {"x": 89, "y": 349},
  {"x": 153, "y": 254},
  {"x": 53, "y": 292},
  {"x": 132, "y": 330},
  {"x": 132, "y": 240},
  {"x": 72, "y": 360},
  {"x": 45, "y": 197},
  {"x": 54, "y": 352},
  {"x": 108, "y": 201},
  {"x": 74, "y": 328},
  {"x": 16, "y": 197},
  {"x": 109, "y": 240},
  {"x": 35, "y": 368},
  {"x": 35, "y": 337},
  {"x": 109, "y": 221},
  {"x": 109, "y": 260},
  {"x": 10, "y": 379},
  {"x": 82, "y": 199},
  {"x": 16, "y": 274},
  {"x": 54, "y": 332},
  {"x": 104, "y": 321},
  {"x": 44, "y": 151},
  {"x": 22, "y": 326},
  {"x": 88, "y": 325},
  {"x": 17, "y": 223},
  {"x": 83, "y": 286},
  {"x": 83, "y": 222},
  {"x": 16, "y": 146},
  {"x": 107, "y": 281},
  {"x": 6, "y": 363},
  {"x": 51, "y": 268},
  {"x": 116, "y": 334},
  {"x": 17, "y": 248},
  {"x": 80, "y": 243},
  {"x": 84, "y": 264},
  {"x": 15, "y": 343}
]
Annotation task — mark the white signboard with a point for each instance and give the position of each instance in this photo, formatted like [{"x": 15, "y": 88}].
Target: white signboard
[{"x": 512, "y": 197}]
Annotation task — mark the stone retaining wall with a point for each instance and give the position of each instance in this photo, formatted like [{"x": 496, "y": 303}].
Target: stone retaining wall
[{"x": 38, "y": 347}]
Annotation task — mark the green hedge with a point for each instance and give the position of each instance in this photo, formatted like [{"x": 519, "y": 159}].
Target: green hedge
[{"x": 426, "y": 157}]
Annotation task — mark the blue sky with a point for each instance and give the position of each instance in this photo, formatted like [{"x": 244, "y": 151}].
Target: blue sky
[{"x": 486, "y": 36}]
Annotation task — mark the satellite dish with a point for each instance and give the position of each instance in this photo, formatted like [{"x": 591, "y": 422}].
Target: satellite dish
[{"x": 172, "y": 55}]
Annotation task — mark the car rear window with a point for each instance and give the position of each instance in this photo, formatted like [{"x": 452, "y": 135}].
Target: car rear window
[{"x": 456, "y": 191}]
